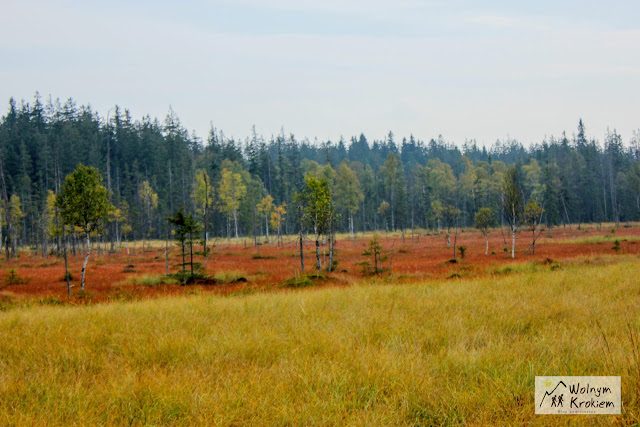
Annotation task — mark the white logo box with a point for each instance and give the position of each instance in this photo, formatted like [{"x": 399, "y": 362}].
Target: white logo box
[{"x": 578, "y": 395}]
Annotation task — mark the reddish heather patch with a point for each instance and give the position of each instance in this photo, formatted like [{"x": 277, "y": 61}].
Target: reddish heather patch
[{"x": 417, "y": 259}]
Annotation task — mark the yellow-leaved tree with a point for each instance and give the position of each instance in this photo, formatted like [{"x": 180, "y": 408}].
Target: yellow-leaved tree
[
  {"x": 265, "y": 207},
  {"x": 203, "y": 197},
  {"x": 231, "y": 191},
  {"x": 277, "y": 218}
]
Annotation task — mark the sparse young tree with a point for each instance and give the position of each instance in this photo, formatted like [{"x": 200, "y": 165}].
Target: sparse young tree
[
  {"x": 449, "y": 215},
  {"x": 186, "y": 230},
  {"x": 484, "y": 220},
  {"x": 374, "y": 250},
  {"x": 317, "y": 208},
  {"x": 513, "y": 200},
  {"x": 84, "y": 203},
  {"x": 532, "y": 217}
]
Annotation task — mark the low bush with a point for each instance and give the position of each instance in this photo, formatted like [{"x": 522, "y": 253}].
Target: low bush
[
  {"x": 228, "y": 277},
  {"x": 152, "y": 280},
  {"x": 13, "y": 278},
  {"x": 303, "y": 281}
]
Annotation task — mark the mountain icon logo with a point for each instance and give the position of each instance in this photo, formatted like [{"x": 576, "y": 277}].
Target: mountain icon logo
[{"x": 547, "y": 393}]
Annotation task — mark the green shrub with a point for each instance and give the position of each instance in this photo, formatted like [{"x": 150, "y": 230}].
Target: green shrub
[
  {"x": 228, "y": 277},
  {"x": 303, "y": 281},
  {"x": 463, "y": 250},
  {"x": 13, "y": 278},
  {"x": 616, "y": 245},
  {"x": 152, "y": 280},
  {"x": 258, "y": 256},
  {"x": 186, "y": 278}
]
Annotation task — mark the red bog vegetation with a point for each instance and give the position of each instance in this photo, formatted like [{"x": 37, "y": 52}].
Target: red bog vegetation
[{"x": 242, "y": 268}]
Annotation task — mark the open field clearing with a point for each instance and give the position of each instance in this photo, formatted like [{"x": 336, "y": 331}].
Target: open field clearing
[
  {"x": 437, "y": 352},
  {"x": 242, "y": 268}
]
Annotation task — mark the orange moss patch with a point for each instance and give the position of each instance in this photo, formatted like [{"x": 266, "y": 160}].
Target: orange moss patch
[{"x": 425, "y": 257}]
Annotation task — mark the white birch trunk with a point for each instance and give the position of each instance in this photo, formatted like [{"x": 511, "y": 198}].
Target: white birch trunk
[
  {"x": 235, "y": 222},
  {"x": 84, "y": 264},
  {"x": 351, "y": 224}
]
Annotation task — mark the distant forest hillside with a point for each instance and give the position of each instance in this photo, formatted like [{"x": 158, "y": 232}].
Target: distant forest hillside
[{"x": 391, "y": 184}]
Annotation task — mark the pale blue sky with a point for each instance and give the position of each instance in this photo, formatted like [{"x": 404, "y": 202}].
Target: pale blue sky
[{"x": 463, "y": 69}]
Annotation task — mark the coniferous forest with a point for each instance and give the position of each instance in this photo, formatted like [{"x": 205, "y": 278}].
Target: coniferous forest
[{"x": 248, "y": 187}]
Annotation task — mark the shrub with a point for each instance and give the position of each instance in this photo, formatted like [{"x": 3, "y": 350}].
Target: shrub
[
  {"x": 258, "y": 256},
  {"x": 375, "y": 251},
  {"x": 50, "y": 301},
  {"x": 297, "y": 282},
  {"x": 14, "y": 278},
  {"x": 228, "y": 277},
  {"x": 186, "y": 278},
  {"x": 152, "y": 280},
  {"x": 463, "y": 250},
  {"x": 303, "y": 281},
  {"x": 616, "y": 245}
]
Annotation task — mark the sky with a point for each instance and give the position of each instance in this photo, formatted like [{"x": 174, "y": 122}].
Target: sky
[{"x": 462, "y": 69}]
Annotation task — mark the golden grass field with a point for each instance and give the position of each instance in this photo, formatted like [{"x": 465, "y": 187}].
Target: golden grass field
[{"x": 438, "y": 352}]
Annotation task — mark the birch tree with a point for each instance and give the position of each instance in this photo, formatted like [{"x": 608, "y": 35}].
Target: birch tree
[
  {"x": 203, "y": 197},
  {"x": 265, "y": 207},
  {"x": 84, "y": 203},
  {"x": 484, "y": 220},
  {"x": 277, "y": 218},
  {"x": 347, "y": 191},
  {"x": 317, "y": 208},
  {"x": 231, "y": 191}
]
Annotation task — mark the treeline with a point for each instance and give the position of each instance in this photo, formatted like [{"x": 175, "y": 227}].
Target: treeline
[{"x": 247, "y": 187}]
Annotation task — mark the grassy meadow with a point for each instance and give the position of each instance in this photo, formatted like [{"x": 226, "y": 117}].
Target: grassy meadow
[{"x": 441, "y": 352}]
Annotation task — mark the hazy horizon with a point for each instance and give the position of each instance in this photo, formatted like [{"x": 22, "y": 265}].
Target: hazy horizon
[{"x": 325, "y": 69}]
